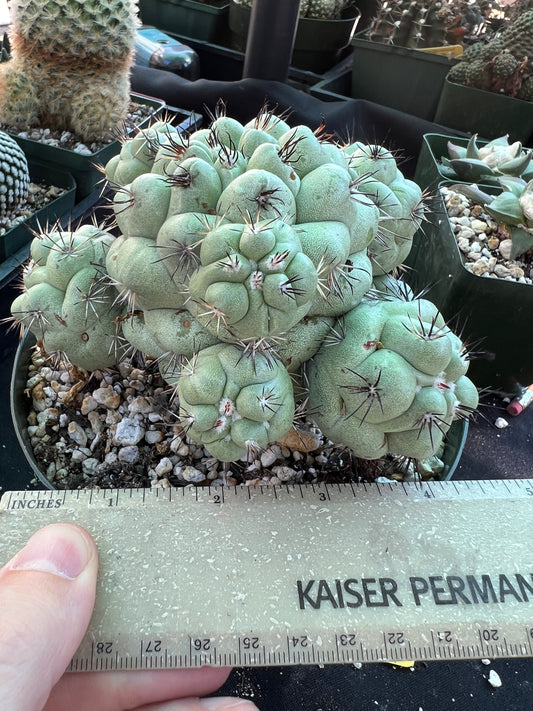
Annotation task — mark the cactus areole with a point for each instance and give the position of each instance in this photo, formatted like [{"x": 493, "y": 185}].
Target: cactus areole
[{"x": 257, "y": 264}]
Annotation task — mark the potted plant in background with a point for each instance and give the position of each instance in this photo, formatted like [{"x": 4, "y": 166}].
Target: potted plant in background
[
  {"x": 30, "y": 194},
  {"x": 72, "y": 79},
  {"x": 204, "y": 20},
  {"x": 476, "y": 253},
  {"x": 490, "y": 90},
  {"x": 323, "y": 33},
  {"x": 264, "y": 259}
]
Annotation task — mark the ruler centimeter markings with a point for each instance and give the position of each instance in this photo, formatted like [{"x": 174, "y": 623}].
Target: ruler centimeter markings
[{"x": 298, "y": 574}]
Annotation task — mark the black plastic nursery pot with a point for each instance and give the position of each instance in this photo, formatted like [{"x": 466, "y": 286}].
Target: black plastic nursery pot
[
  {"x": 203, "y": 21},
  {"x": 493, "y": 315},
  {"x": 484, "y": 112},
  {"x": 335, "y": 86},
  {"x": 454, "y": 441},
  {"x": 83, "y": 167},
  {"x": 20, "y": 235},
  {"x": 318, "y": 44},
  {"x": 409, "y": 80}
]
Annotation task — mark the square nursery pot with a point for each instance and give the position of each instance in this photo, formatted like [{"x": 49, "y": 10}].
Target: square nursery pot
[
  {"x": 318, "y": 45},
  {"x": 207, "y": 21},
  {"x": 19, "y": 236},
  {"x": 454, "y": 440},
  {"x": 492, "y": 314},
  {"x": 83, "y": 167},
  {"x": 409, "y": 80},
  {"x": 484, "y": 112}
]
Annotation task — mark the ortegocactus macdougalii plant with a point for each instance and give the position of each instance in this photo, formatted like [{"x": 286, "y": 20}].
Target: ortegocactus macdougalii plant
[
  {"x": 14, "y": 177},
  {"x": 243, "y": 249},
  {"x": 68, "y": 301},
  {"x": 503, "y": 65},
  {"x": 486, "y": 163},
  {"x": 69, "y": 66},
  {"x": 390, "y": 378}
]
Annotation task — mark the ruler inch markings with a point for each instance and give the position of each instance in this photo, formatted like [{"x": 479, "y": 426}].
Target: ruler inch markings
[{"x": 333, "y": 573}]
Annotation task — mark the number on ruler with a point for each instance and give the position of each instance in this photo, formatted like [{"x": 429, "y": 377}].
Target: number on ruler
[
  {"x": 301, "y": 641},
  {"x": 347, "y": 640},
  {"x": 104, "y": 647},
  {"x": 250, "y": 642},
  {"x": 395, "y": 638},
  {"x": 153, "y": 646},
  {"x": 490, "y": 635},
  {"x": 201, "y": 645}
]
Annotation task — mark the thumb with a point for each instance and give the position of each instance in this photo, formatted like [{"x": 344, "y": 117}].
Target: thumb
[{"x": 46, "y": 600}]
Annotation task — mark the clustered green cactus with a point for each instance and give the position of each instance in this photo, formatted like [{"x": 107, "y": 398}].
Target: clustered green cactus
[
  {"x": 69, "y": 65},
  {"x": 14, "y": 177},
  {"x": 318, "y": 9},
  {"x": 503, "y": 65},
  {"x": 256, "y": 262}
]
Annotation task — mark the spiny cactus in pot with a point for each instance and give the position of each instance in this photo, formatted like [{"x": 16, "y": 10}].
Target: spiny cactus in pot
[
  {"x": 14, "y": 176},
  {"x": 256, "y": 264},
  {"x": 503, "y": 65},
  {"x": 69, "y": 65}
]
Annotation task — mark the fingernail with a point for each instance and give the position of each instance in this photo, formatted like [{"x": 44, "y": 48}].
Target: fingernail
[
  {"x": 59, "y": 549},
  {"x": 226, "y": 703}
]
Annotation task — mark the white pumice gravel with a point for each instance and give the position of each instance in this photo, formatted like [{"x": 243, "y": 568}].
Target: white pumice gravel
[
  {"x": 485, "y": 245},
  {"x": 95, "y": 430},
  {"x": 494, "y": 679}
]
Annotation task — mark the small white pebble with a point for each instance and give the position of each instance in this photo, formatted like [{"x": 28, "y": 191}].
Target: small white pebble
[
  {"x": 501, "y": 423},
  {"x": 494, "y": 679},
  {"x": 485, "y": 661}
]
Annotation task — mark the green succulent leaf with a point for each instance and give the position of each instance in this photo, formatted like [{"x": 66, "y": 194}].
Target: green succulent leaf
[
  {"x": 472, "y": 149},
  {"x": 471, "y": 169},
  {"x": 455, "y": 151},
  {"x": 522, "y": 240},
  {"x": 516, "y": 166},
  {"x": 506, "y": 208}
]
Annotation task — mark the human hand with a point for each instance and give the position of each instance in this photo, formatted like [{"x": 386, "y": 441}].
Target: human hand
[{"x": 46, "y": 599}]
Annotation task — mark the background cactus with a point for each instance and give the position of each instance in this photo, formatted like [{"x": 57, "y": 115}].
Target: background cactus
[
  {"x": 318, "y": 9},
  {"x": 504, "y": 64},
  {"x": 14, "y": 176},
  {"x": 69, "y": 66},
  {"x": 245, "y": 253}
]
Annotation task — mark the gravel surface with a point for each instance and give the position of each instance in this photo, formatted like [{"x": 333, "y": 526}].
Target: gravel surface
[
  {"x": 119, "y": 428},
  {"x": 484, "y": 244}
]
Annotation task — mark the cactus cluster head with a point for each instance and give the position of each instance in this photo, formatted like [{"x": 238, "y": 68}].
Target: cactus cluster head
[
  {"x": 245, "y": 254},
  {"x": 69, "y": 65},
  {"x": 14, "y": 177},
  {"x": 504, "y": 64}
]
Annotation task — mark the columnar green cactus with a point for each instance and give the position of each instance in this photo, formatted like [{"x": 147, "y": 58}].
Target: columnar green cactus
[
  {"x": 246, "y": 258},
  {"x": 69, "y": 66},
  {"x": 14, "y": 176}
]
